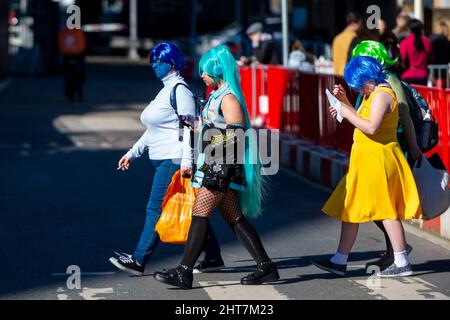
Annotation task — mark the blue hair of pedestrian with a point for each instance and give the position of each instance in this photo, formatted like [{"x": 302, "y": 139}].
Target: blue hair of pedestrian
[
  {"x": 364, "y": 69},
  {"x": 219, "y": 64},
  {"x": 168, "y": 53}
]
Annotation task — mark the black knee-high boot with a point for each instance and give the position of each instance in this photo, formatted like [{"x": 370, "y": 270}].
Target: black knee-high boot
[
  {"x": 266, "y": 270},
  {"x": 181, "y": 276},
  {"x": 380, "y": 225},
  {"x": 249, "y": 238},
  {"x": 211, "y": 246},
  {"x": 196, "y": 239}
]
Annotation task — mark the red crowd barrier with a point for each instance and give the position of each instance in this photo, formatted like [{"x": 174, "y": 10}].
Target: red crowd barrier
[
  {"x": 297, "y": 104},
  {"x": 276, "y": 92},
  {"x": 254, "y": 84},
  {"x": 438, "y": 101},
  {"x": 338, "y": 136}
]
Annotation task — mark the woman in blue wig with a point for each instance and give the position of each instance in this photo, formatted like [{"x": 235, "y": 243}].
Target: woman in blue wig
[
  {"x": 406, "y": 134},
  {"x": 379, "y": 185},
  {"x": 166, "y": 148},
  {"x": 229, "y": 177}
]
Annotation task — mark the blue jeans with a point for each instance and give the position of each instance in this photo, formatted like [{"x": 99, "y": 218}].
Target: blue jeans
[{"x": 164, "y": 170}]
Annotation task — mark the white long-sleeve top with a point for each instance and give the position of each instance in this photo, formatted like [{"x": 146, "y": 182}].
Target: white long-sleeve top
[{"x": 161, "y": 137}]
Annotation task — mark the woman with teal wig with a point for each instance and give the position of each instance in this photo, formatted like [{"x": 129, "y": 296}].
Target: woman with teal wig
[
  {"x": 406, "y": 133},
  {"x": 228, "y": 172}
]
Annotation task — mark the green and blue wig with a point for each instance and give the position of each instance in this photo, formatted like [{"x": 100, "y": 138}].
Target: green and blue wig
[
  {"x": 374, "y": 49},
  {"x": 219, "y": 64},
  {"x": 362, "y": 70}
]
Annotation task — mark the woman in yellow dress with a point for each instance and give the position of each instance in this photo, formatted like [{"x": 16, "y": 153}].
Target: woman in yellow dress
[{"x": 379, "y": 185}]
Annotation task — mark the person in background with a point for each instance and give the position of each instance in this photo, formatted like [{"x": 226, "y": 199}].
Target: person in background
[
  {"x": 300, "y": 58},
  {"x": 392, "y": 45},
  {"x": 417, "y": 53},
  {"x": 342, "y": 41},
  {"x": 441, "y": 44},
  {"x": 168, "y": 153},
  {"x": 264, "y": 50},
  {"x": 72, "y": 45},
  {"x": 363, "y": 34},
  {"x": 401, "y": 30},
  {"x": 441, "y": 48}
]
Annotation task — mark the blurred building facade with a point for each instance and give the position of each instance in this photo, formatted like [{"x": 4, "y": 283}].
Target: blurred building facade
[
  {"x": 46, "y": 16},
  {"x": 33, "y": 29},
  {"x": 33, "y": 33},
  {"x": 4, "y": 43}
]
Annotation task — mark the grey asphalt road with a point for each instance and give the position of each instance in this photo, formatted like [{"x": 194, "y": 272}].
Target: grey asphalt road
[{"x": 62, "y": 203}]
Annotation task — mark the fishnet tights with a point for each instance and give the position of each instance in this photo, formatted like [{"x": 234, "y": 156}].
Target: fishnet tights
[{"x": 227, "y": 202}]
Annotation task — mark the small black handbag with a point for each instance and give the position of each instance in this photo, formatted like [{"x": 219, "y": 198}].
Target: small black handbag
[{"x": 217, "y": 176}]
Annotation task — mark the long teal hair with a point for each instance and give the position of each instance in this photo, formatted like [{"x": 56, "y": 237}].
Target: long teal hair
[{"x": 220, "y": 64}]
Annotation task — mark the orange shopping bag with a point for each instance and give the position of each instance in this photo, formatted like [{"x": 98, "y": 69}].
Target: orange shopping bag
[{"x": 173, "y": 225}]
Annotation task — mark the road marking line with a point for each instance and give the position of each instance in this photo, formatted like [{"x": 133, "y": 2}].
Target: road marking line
[
  {"x": 61, "y": 295},
  {"x": 93, "y": 294},
  {"x": 105, "y": 144},
  {"x": 97, "y": 123},
  {"x": 84, "y": 274},
  {"x": 411, "y": 288},
  {"x": 232, "y": 290}
]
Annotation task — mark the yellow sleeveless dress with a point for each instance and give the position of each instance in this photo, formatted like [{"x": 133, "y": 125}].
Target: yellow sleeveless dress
[{"x": 379, "y": 184}]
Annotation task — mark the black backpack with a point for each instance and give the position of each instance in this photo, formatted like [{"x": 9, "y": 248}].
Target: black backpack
[
  {"x": 173, "y": 103},
  {"x": 183, "y": 121},
  {"x": 426, "y": 129}
]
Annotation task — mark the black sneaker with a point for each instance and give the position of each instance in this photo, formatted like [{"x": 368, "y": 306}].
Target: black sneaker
[
  {"x": 209, "y": 266},
  {"x": 327, "y": 265},
  {"x": 180, "y": 277},
  {"x": 126, "y": 262},
  {"x": 382, "y": 263},
  {"x": 409, "y": 248},
  {"x": 265, "y": 272},
  {"x": 386, "y": 259},
  {"x": 393, "y": 271}
]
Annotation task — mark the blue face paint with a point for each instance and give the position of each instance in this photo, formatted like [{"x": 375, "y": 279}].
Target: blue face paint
[{"x": 161, "y": 69}]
